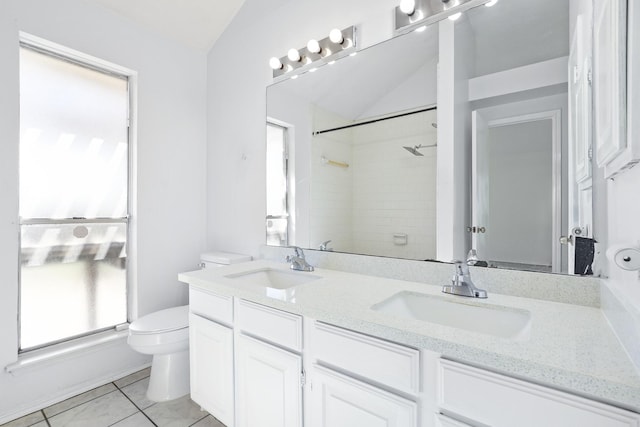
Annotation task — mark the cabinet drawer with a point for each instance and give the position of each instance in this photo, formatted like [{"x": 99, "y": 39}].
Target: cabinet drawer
[
  {"x": 276, "y": 326},
  {"x": 501, "y": 401},
  {"x": 211, "y": 306},
  {"x": 384, "y": 362}
]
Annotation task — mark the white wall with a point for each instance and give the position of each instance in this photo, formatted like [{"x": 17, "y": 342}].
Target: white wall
[
  {"x": 454, "y": 139},
  {"x": 169, "y": 156},
  {"x": 624, "y": 228}
]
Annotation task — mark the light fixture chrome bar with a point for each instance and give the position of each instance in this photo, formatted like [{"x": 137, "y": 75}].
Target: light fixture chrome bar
[
  {"x": 329, "y": 51},
  {"x": 430, "y": 11}
]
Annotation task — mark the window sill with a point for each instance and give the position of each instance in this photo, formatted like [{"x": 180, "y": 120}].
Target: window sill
[{"x": 49, "y": 355}]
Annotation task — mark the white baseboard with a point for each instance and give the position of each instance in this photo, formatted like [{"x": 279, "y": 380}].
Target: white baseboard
[{"x": 69, "y": 392}]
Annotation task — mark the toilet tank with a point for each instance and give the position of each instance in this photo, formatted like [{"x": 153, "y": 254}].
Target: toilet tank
[{"x": 219, "y": 259}]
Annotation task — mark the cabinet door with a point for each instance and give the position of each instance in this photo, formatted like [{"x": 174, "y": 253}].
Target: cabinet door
[
  {"x": 211, "y": 360},
  {"x": 609, "y": 34},
  {"x": 341, "y": 401},
  {"x": 269, "y": 385}
]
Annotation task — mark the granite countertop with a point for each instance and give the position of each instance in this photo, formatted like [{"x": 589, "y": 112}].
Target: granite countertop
[{"x": 570, "y": 347}]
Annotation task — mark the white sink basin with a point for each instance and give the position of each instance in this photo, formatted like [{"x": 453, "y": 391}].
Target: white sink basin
[
  {"x": 278, "y": 284},
  {"x": 499, "y": 321}
]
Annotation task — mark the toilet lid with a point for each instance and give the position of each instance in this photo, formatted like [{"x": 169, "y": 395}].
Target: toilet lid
[{"x": 161, "y": 321}]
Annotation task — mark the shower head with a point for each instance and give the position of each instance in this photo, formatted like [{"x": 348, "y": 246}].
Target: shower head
[{"x": 414, "y": 150}]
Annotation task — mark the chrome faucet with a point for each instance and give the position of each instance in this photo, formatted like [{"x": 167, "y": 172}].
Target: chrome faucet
[
  {"x": 461, "y": 283},
  {"x": 298, "y": 262}
]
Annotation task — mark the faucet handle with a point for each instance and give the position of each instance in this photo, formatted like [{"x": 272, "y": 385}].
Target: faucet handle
[
  {"x": 323, "y": 246},
  {"x": 461, "y": 267}
]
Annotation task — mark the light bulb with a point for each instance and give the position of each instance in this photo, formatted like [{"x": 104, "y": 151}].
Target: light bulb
[
  {"x": 293, "y": 55},
  {"x": 455, "y": 16},
  {"x": 336, "y": 36},
  {"x": 275, "y": 63},
  {"x": 408, "y": 6},
  {"x": 491, "y": 3},
  {"x": 313, "y": 46}
]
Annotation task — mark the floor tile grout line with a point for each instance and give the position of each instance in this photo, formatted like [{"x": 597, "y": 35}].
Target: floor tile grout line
[
  {"x": 75, "y": 406},
  {"x": 134, "y": 403},
  {"x": 135, "y": 413},
  {"x": 44, "y": 416},
  {"x": 191, "y": 425}
]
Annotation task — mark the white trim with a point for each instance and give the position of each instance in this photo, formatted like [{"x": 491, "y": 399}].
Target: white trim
[
  {"x": 74, "y": 54},
  {"x": 48, "y": 355},
  {"x": 71, "y": 392},
  {"x": 533, "y": 76}
]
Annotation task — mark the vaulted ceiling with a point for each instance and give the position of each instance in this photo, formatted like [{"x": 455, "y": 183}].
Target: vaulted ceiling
[{"x": 194, "y": 23}]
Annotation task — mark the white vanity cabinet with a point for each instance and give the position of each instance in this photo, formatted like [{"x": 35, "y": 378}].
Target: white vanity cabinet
[
  {"x": 211, "y": 354},
  {"x": 354, "y": 378},
  {"x": 487, "y": 398},
  {"x": 269, "y": 369},
  {"x": 246, "y": 362}
]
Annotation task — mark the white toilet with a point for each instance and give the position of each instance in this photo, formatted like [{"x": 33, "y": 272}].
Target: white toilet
[{"x": 164, "y": 334}]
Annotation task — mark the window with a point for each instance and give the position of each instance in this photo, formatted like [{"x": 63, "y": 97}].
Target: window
[
  {"x": 277, "y": 186},
  {"x": 74, "y": 157}
]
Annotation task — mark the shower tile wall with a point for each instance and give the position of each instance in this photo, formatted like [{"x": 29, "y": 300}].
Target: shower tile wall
[
  {"x": 385, "y": 191},
  {"x": 331, "y": 186}
]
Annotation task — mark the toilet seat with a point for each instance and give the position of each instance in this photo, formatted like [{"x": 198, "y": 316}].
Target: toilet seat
[
  {"x": 162, "y": 332},
  {"x": 170, "y": 319}
]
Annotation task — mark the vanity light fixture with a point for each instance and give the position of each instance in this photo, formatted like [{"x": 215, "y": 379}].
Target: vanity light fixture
[
  {"x": 426, "y": 12},
  {"x": 338, "y": 44},
  {"x": 294, "y": 55},
  {"x": 336, "y": 36},
  {"x": 408, "y": 6},
  {"x": 313, "y": 46},
  {"x": 275, "y": 63}
]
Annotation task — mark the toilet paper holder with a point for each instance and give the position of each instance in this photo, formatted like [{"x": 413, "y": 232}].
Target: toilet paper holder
[{"x": 625, "y": 257}]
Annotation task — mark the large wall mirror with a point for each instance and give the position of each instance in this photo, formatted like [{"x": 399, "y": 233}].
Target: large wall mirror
[{"x": 354, "y": 146}]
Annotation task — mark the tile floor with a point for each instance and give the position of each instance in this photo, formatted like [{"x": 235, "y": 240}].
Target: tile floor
[{"x": 121, "y": 403}]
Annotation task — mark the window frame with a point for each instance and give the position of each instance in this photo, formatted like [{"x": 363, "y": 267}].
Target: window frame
[
  {"x": 72, "y": 56},
  {"x": 287, "y": 173}
]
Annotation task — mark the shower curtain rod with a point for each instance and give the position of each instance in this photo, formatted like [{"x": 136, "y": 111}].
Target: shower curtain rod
[{"x": 318, "y": 132}]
